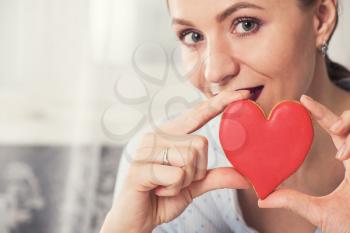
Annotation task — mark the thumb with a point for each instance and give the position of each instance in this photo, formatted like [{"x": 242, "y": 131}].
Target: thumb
[
  {"x": 304, "y": 205},
  {"x": 218, "y": 178}
]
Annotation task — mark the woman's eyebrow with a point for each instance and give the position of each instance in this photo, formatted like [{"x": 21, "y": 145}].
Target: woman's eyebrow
[
  {"x": 182, "y": 22},
  {"x": 222, "y": 16},
  {"x": 235, "y": 7}
]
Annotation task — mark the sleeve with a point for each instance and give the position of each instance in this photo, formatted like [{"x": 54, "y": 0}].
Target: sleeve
[
  {"x": 164, "y": 228},
  {"x": 201, "y": 216}
]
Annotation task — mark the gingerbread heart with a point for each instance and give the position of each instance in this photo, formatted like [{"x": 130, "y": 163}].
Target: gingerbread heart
[{"x": 266, "y": 151}]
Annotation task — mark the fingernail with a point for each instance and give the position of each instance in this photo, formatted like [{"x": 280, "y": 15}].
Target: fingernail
[
  {"x": 243, "y": 91},
  {"x": 308, "y": 98},
  {"x": 341, "y": 151},
  {"x": 336, "y": 126},
  {"x": 243, "y": 94}
]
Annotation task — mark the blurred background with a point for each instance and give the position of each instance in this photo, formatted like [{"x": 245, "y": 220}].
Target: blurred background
[{"x": 78, "y": 78}]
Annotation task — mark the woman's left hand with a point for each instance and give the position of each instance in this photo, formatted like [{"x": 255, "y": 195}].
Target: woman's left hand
[{"x": 331, "y": 213}]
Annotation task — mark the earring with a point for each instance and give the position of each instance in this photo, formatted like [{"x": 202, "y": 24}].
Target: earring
[{"x": 324, "y": 48}]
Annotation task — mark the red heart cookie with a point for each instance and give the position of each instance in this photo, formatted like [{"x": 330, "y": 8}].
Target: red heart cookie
[{"x": 266, "y": 151}]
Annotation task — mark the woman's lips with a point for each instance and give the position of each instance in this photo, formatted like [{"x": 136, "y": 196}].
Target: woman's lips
[{"x": 254, "y": 91}]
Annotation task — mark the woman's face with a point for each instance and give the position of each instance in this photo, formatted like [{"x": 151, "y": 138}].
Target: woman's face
[{"x": 235, "y": 44}]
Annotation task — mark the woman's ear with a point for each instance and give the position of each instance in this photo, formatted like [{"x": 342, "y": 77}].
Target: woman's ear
[{"x": 325, "y": 20}]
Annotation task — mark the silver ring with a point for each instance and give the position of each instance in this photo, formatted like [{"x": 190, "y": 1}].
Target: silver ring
[{"x": 165, "y": 156}]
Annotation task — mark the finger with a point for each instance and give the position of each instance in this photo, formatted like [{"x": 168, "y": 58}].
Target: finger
[
  {"x": 347, "y": 170},
  {"x": 325, "y": 117},
  {"x": 176, "y": 155},
  {"x": 147, "y": 176},
  {"x": 344, "y": 151},
  {"x": 190, "y": 158},
  {"x": 322, "y": 114},
  {"x": 342, "y": 126},
  {"x": 178, "y": 151},
  {"x": 218, "y": 178},
  {"x": 182, "y": 157},
  {"x": 302, "y": 204},
  {"x": 200, "y": 143},
  {"x": 204, "y": 112}
]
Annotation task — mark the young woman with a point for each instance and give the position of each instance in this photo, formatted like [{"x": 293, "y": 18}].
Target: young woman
[{"x": 268, "y": 51}]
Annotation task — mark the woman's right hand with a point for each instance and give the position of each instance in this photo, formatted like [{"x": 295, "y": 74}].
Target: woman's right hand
[{"x": 154, "y": 193}]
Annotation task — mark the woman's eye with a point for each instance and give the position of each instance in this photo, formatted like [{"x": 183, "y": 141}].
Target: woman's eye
[
  {"x": 245, "y": 26},
  {"x": 190, "y": 38}
]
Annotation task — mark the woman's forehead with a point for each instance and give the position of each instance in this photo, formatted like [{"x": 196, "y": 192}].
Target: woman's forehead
[
  {"x": 187, "y": 12},
  {"x": 191, "y": 7}
]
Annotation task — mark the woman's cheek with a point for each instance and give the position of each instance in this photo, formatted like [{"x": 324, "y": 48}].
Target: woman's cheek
[
  {"x": 267, "y": 56},
  {"x": 276, "y": 59},
  {"x": 192, "y": 66},
  {"x": 190, "y": 59}
]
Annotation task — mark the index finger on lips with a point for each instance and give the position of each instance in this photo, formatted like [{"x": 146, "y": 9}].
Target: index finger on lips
[{"x": 195, "y": 118}]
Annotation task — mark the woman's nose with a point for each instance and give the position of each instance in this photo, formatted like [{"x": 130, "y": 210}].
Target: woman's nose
[{"x": 219, "y": 67}]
